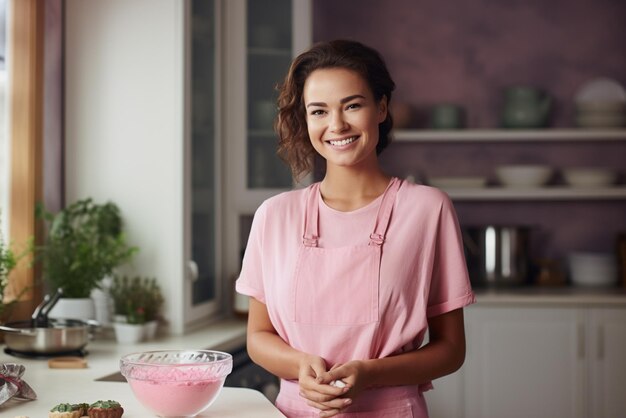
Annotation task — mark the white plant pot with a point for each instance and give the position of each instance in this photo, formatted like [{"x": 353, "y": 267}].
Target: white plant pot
[
  {"x": 128, "y": 333},
  {"x": 150, "y": 329},
  {"x": 79, "y": 308},
  {"x": 103, "y": 303}
]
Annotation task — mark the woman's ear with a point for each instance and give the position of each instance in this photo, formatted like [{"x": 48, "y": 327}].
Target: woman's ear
[{"x": 382, "y": 109}]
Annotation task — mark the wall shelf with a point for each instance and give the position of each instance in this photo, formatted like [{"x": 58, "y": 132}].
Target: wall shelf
[
  {"x": 543, "y": 193},
  {"x": 510, "y": 135}
]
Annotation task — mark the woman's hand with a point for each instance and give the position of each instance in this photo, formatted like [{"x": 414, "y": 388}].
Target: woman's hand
[
  {"x": 320, "y": 394},
  {"x": 352, "y": 375}
]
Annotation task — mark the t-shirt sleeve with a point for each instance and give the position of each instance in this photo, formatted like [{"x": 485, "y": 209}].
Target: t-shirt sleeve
[
  {"x": 250, "y": 281},
  {"x": 450, "y": 286}
]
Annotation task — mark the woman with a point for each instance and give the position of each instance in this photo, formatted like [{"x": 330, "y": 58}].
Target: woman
[{"x": 347, "y": 275}]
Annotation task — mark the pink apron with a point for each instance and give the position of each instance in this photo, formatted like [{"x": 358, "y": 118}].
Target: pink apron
[{"x": 339, "y": 287}]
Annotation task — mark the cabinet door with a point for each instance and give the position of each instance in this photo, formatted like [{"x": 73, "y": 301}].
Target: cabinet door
[
  {"x": 446, "y": 399},
  {"x": 202, "y": 215},
  {"x": 260, "y": 39},
  {"x": 524, "y": 362},
  {"x": 607, "y": 362}
]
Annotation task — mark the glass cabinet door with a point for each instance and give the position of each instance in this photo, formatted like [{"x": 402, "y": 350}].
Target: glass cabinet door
[
  {"x": 269, "y": 52},
  {"x": 203, "y": 149}
]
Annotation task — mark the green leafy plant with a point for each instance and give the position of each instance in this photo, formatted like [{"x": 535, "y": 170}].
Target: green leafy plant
[
  {"x": 139, "y": 299},
  {"x": 8, "y": 261},
  {"x": 84, "y": 244}
]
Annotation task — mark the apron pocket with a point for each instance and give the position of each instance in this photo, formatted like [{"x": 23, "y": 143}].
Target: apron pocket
[{"x": 337, "y": 286}]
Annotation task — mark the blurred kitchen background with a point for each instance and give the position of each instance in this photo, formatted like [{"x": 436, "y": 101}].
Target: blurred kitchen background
[{"x": 165, "y": 107}]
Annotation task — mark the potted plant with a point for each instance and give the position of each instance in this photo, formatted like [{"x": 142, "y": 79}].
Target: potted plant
[
  {"x": 137, "y": 302},
  {"x": 84, "y": 244}
]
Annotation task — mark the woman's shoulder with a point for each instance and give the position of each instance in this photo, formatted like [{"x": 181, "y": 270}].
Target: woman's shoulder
[
  {"x": 421, "y": 193},
  {"x": 285, "y": 201}
]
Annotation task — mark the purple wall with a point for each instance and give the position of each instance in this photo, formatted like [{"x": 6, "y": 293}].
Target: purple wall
[{"x": 467, "y": 52}]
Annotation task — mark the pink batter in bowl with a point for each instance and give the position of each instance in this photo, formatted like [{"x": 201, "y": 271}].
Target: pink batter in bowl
[{"x": 176, "y": 383}]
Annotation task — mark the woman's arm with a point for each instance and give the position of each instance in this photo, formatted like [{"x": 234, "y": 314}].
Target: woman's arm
[{"x": 267, "y": 349}]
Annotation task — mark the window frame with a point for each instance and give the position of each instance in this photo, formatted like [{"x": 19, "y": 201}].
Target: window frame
[{"x": 25, "y": 27}]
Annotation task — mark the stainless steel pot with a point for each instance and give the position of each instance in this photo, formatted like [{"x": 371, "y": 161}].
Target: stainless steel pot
[
  {"x": 497, "y": 255},
  {"x": 61, "y": 335}
]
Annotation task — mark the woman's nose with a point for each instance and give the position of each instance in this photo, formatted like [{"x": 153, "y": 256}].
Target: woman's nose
[{"x": 337, "y": 122}]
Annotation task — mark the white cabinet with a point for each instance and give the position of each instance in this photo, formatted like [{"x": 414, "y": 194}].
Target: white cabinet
[
  {"x": 606, "y": 356},
  {"x": 260, "y": 39},
  {"x": 523, "y": 362},
  {"x": 536, "y": 361}
]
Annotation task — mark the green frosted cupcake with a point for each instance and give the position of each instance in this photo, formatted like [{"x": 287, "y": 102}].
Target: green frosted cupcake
[
  {"x": 105, "y": 409},
  {"x": 66, "y": 410}
]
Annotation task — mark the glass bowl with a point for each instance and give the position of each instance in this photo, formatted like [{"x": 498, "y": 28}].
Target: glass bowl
[{"x": 176, "y": 383}]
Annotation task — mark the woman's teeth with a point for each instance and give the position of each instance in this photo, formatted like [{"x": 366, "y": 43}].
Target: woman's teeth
[{"x": 343, "y": 141}]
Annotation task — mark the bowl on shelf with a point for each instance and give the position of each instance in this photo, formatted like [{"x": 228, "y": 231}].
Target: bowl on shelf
[
  {"x": 592, "y": 269},
  {"x": 523, "y": 176},
  {"x": 176, "y": 383},
  {"x": 589, "y": 177},
  {"x": 601, "y": 120},
  {"x": 461, "y": 182}
]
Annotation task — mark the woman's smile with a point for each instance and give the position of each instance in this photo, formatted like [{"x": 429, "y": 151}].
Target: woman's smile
[{"x": 343, "y": 142}]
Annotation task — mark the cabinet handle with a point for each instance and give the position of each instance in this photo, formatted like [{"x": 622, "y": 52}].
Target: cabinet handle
[
  {"x": 601, "y": 342},
  {"x": 581, "y": 341},
  {"x": 192, "y": 270}
]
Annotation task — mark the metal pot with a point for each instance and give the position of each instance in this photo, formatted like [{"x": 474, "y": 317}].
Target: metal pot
[
  {"x": 497, "y": 255},
  {"x": 60, "y": 336}
]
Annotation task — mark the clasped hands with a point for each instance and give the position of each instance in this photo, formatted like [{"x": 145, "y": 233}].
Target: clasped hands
[{"x": 317, "y": 388}]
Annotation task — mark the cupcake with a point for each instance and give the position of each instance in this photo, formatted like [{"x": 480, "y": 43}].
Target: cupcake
[
  {"x": 66, "y": 410},
  {"x": 82, "y": 407},
  {"x": 105, "y": 409}
]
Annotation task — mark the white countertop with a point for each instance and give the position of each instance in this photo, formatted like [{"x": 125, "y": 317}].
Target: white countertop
[
  {"x": 552, "y": 296},
  {"x": 54, "y": 386}
]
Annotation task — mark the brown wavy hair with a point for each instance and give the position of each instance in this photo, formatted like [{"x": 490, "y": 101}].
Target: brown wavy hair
[{"x": 294, "y": 146}]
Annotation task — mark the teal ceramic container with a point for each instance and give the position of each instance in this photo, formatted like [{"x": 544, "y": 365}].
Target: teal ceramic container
[{"x": 525, "y": 108}]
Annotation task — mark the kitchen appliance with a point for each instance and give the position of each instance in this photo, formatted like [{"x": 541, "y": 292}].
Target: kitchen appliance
[{"x": 497, "y": 255}]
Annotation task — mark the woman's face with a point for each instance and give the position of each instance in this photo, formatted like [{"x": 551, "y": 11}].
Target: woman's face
[{"x": 343, "y": 117}]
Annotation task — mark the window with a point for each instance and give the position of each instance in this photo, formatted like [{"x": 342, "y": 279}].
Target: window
[{"x": 21, "y": 149}]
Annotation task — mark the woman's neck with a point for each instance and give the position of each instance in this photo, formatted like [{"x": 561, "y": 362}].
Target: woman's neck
[{"x": 346, "y": 190}]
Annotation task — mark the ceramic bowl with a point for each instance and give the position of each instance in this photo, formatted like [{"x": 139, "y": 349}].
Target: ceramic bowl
[
  {"x": 601, "y": 107},
  {"x": 523, "y": 176},
  {"x": 589, "y": 177},
  {"x": 592, "y": 269},
  {"x": 601, "y": 120},
  {"x": 176, "y": 383}
]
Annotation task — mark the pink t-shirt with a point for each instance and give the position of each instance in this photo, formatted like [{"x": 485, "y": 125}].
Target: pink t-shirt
[{"x": 422, "y": 270}]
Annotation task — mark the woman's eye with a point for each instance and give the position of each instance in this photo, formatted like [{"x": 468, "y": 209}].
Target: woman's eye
[
  {"x": 353, "y": 106},
  {"x": 317, "y": 112}
]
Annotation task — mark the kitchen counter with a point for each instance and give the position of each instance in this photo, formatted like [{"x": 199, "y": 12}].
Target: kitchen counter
[
  {"x": 93, "y": 383},
  {"x": 553, "y": 296}
]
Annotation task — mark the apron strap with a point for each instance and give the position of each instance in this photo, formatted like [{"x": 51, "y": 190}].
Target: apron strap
[
  {"x": 311, "y": 231},
  {"x": 384, "y": 212}
]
